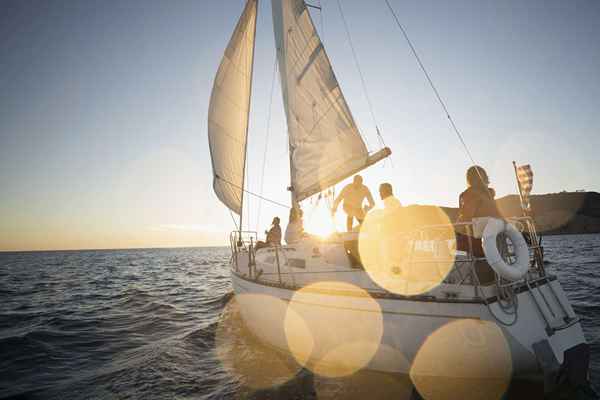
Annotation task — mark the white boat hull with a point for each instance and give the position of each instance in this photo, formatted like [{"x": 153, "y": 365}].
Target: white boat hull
[{"x": 408, "y": 324}]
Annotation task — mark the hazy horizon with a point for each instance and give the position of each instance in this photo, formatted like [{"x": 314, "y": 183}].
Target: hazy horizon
[
  {"x": 222, "y": 245},
  {"x": 103, "y": 139}
]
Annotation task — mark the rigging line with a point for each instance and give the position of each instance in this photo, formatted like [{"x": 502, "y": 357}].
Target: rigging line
[
  {"x": 262, "y": 176},
  {"x": 233, "y": 219},
  {"x": 321, "y": 21},
  {"x": 254, "y": 194},
  {"x": 360, "y": 73},
  {"x": 437, "y": 94}
]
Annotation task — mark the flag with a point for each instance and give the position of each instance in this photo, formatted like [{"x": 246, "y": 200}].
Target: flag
[{"x": 525, "y": 178}]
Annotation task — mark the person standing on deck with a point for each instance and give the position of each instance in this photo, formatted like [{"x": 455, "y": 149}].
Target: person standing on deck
[
  {"x": 390, "y": 203},
  {"x": 392, "y": 208},
  {"x": 294, "y": 231},
  {"x": 353, "y": 195}
]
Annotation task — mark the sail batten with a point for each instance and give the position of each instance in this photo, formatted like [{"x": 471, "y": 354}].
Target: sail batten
[
  {"x": 325, "y": 143},
  {"x": 228, "y": 112}
]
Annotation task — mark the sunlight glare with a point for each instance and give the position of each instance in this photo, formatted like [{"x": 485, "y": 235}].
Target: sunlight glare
[
  {"x": 403, "y": 257},
  {"x": 318, "y": 219},
  {"x": 341, "y": 335},
  {"x": 464, "y": 359}
]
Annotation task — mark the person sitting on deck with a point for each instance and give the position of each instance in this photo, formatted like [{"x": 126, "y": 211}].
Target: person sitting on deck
[
  {"x": 273, "y": 236},
  {"x": 476, "y": 202},
  {"x": 295, "y": 228},
  {"x": 353, "y": 196}
]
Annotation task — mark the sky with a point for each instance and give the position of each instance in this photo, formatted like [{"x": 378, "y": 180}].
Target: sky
[{"x": 103, "y": 110}]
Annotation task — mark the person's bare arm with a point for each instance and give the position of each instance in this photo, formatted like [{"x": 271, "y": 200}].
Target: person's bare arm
[{"x": 338, "y": 199}]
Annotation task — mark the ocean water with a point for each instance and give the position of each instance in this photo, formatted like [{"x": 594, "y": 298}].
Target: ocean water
[{"x": 162, "y": 323}]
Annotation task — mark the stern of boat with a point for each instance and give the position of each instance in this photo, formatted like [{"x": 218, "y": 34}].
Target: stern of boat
[{"x": 540, "y": 327}]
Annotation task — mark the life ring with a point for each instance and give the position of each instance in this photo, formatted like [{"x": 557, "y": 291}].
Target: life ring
[{"x": 519, "y": 268}]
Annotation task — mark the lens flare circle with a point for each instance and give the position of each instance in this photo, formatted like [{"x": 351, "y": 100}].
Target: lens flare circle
[
  {"x": 465, "y": 359},
  {"x": 342, "y": 329},
  {"x": 409, "y": 251}
]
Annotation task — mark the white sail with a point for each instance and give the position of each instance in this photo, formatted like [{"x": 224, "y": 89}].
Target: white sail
[
  {"x": 325, "y": 144},
  {"x": 228, "y": 111}
]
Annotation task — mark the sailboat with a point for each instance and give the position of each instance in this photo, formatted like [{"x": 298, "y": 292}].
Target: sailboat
[{"x": 417, "y": 305}]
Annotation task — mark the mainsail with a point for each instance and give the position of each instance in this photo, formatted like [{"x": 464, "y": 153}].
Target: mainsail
[
  {"x": 324, "y": 141},
  {"x": 228, "y": 111}
]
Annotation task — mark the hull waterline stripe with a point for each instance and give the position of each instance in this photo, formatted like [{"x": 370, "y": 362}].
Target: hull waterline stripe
[{"x": 370, "y": 311}]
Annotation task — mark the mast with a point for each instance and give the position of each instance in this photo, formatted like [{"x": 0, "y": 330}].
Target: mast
[
  {"x": 248, "y": 120},
  {"x": 280, "y": 44}
]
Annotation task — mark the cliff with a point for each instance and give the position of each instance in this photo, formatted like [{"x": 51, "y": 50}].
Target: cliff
[
  {"x": 554, "y": 213},
  {"x": 559, "y": 213}
]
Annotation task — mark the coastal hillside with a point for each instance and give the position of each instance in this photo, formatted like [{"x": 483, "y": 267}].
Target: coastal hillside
[
  {"x": 559, "y": 213},
  {"x": 554, "y": 213}
]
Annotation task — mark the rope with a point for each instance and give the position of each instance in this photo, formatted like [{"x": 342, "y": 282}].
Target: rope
[
  {"x": 437, "y": 94},
  {"x": 254, "y": 194},
  {"x": 360, "y": 73},
  {"x": 321, "y": 21},
  {"x": 262, "y": 176},
  {"x": 482, "y": 295},
  {"x": 233, "y": 219}
]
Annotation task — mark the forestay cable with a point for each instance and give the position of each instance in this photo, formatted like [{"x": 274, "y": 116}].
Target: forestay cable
[
  {"x": 234, "y": 221},
  {"x": 437, "y": 94}
]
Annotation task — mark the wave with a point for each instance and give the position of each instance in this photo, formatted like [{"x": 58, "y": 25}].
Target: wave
[{"x": 145, "y": 323}]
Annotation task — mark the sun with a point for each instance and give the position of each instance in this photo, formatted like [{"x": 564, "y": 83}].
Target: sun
[{"x": 318, "y": 220}]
